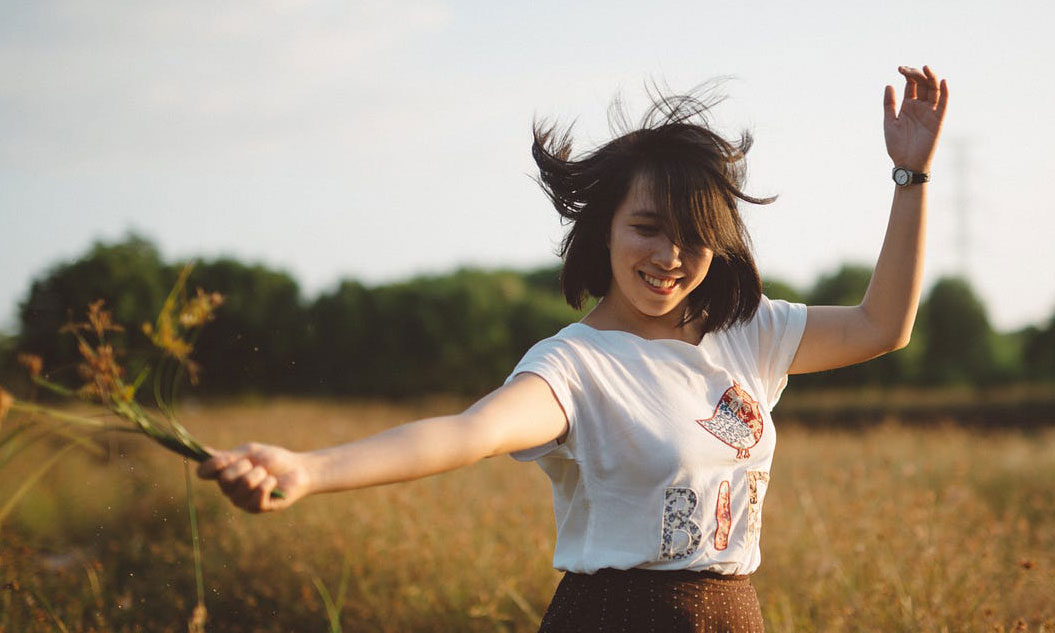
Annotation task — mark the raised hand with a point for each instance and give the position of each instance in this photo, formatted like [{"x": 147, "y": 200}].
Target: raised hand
[
  {"x": 249, "y": 474},
  {"x": 912, "y": 133}
]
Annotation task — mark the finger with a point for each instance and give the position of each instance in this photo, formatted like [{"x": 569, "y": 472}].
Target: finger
[
  {"x": 249, "y": 481},
  {"x": 933, "y": 92},
  {"x": 889, "y": 104},
  {"x": 210, "y": 468},
  {"x": 263, "y": 498},
  {"x": 943, "y": 100},
  {"x": 911, "y": 77},
  {"x": 229, "y": 475},
  {"x": 245, "y": 488},
  {"x": 247, "y": 450},
  {"x": 256, "y": 500}
]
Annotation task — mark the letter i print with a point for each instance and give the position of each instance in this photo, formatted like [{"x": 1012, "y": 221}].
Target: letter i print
[{"x": 724, "y": 515}]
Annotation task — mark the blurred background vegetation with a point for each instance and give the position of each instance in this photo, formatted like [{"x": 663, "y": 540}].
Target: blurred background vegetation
[
  {"x": 457, "y": 333},
  {"x": 104, "y": 543}
]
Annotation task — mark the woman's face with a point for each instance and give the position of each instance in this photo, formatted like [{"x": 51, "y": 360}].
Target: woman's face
[{"x": 651, "y": 274}]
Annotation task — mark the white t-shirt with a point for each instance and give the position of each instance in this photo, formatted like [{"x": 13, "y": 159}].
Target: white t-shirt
[{"x": 667, "y": 456}]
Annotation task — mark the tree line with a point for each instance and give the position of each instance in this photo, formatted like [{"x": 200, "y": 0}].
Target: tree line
[{"x": 456, "y": 333}]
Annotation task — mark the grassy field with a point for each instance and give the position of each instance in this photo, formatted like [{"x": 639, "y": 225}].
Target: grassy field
[{"x": 888, "y": 528}]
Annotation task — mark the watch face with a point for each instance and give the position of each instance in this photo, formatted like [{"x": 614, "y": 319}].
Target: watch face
[{"x": 901, "y": 176}]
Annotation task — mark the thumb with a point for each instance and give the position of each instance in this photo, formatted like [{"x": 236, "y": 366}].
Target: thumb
[
  {"x": 889, "y": 104},
  {"x": 210, "y": 468}
]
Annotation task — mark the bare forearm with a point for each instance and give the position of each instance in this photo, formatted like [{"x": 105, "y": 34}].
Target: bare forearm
[
  {"x": 519, "y": 415},
  {"x": 406, "y": 452},
  {"x": 893, "y": 294}
]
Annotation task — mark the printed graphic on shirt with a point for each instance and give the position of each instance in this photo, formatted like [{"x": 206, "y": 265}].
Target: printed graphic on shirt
[
  {"x": 681, "y": 535},
  {"x": 737, "y": 421},
  {"x": 723, "y": 514},
  {"x": 757, "y": 482}
]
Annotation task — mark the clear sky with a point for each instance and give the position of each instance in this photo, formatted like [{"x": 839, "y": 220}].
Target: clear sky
[{"x": 377, "y": 140}]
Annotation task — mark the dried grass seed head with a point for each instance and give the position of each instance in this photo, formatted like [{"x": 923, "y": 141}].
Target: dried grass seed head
[
  {"x": 101, "y": 320},
  {"x": 200, "y": 309},
  {"x": 33, "y": 364},
  {"x": 6, "y": 402}
]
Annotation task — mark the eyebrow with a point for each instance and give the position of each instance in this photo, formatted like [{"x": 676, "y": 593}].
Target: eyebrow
[{"x": 645, "y": 213}]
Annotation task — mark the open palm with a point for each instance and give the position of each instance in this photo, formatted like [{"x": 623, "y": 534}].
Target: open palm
[{"x": 912, "y": 134}]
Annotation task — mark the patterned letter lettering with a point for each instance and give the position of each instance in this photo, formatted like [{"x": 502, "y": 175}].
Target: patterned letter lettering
[
  {"x": 724, "y": 516},
  {"x": 681, "y": 535},
  {"x": 757, "y": 481}
]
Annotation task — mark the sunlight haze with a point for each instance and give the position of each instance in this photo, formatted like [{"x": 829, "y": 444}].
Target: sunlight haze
[{"x": 379, "y": 140}]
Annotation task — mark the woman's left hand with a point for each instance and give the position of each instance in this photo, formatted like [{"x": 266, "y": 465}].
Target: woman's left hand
[{"x": 912, "y": 134}]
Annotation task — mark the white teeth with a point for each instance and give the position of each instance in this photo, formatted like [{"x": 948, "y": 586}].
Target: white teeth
[{"x": 656, "y": 282}]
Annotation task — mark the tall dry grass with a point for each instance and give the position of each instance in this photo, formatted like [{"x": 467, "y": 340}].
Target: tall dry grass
[{"x": 889, "y": 528}]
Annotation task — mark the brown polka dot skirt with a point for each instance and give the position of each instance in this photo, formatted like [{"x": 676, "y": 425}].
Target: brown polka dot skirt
[{"x": 645, "y": 601}]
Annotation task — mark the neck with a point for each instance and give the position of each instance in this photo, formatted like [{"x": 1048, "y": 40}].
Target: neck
[{"x": 608, "y": 315}]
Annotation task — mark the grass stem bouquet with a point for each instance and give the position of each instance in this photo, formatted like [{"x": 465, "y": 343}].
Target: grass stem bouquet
[{"x": 104, "y": 381}]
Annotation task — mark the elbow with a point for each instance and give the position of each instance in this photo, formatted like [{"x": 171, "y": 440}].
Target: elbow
[
  {"x": 900, "y": 343},
  {"x": 479, "y": 437},
  {"x": 896, "y": 340}
]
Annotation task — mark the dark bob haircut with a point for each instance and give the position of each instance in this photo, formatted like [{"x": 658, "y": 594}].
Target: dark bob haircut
[{"x": 695, "y": 177}]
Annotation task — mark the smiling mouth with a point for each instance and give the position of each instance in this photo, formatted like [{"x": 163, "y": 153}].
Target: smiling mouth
[{"x": 658, "y": 283}]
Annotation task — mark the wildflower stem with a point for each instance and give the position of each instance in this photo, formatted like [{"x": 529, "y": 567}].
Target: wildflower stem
[
  {"x": 53, "y": 387},
  {"x": 175, "y": 383},
  {"x": 159, "y": 400},
  {"x": 29, "y": 407},
  {"x": 50, "y": 611},
  {"x": 196, "y": 541},
  {"x": 333, "y": 613}
]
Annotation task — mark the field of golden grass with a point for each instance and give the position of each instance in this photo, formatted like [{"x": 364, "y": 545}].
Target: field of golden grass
[{"x": 889, "y": 528}]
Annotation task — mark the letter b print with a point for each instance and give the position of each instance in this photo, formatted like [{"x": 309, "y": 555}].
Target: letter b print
[{"x": 681, "y": 535}]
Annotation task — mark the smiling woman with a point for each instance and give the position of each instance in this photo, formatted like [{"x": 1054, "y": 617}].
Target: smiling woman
[
  {"x": 671, "y": 180},
  {"x": 651, "y": 417}
]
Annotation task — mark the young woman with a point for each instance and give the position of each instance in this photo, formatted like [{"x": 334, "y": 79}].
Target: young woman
[{"x": 651, "y": 416}]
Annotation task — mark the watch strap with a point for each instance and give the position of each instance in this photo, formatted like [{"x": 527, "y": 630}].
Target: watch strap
[{"x": 915, "y": 177}]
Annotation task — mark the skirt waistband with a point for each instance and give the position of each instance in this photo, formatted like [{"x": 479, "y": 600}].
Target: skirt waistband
[{"x": 675, "y": 575}]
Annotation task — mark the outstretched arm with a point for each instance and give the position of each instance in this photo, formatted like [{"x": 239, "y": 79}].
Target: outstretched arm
[
  {"x": 836, "y": 336},
  {"x": 520, "y": 415}
]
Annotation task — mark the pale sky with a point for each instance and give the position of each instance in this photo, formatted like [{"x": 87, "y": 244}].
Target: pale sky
[{"x": 378, "y": 140}]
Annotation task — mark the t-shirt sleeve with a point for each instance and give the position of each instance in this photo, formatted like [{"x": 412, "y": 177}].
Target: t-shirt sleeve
[
  {"x": 552, "y": 360},
  {"x": 777, "y": 330}
]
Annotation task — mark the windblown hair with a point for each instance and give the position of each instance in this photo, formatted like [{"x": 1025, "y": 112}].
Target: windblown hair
[{"x": 695, "y": 177}]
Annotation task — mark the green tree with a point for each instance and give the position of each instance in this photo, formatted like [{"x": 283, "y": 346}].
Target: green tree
[
  {"x": 257, "y": 340},
  {"x": 777, "y": 289},
  {"x": 341, "y": 346},
  {"x": 847, "y": 287},
  {"x": 459, "y": 333},
  {"x": 128, "y": 275},
  {"x": 545, "y": 280},
  {"x": 1038, "y": 356},
  {"x": 958, "y": 347}
]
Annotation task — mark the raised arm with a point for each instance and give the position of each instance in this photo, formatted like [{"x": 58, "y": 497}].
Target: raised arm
[
  {"x": 836, "y": 336},
  {"x": 520, "y": 415}
]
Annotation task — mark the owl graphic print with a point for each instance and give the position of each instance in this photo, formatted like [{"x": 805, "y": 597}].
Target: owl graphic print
[{"x": 737, "y": 421}]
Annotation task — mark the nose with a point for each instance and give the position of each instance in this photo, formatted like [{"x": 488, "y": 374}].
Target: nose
[{"x": 666, "y": 254}]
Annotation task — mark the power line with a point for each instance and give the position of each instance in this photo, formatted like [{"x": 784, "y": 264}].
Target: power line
[{"x": 962, "y": 168}]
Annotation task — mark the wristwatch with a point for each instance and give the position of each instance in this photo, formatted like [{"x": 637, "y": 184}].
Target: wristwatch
[{"x": 904, "y": 177}]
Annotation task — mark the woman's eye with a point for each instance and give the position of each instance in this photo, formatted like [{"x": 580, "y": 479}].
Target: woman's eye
[{"x": 646, "y": 229}]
